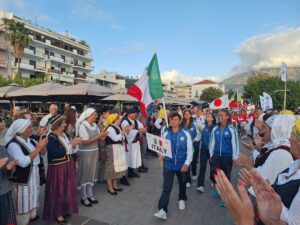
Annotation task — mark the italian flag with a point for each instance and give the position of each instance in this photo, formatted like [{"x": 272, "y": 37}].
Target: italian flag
[{"x": 148, "y": 87}]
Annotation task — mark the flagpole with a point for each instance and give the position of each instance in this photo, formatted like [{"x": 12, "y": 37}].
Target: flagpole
[
  {"x": 284, "y": 103},
  {"x": 166, "y": 115}
]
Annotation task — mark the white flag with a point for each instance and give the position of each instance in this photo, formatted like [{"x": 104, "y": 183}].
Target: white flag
[
  {"x": 262, "y": 104},
  {"x": 268, "y": 102},
  {"x": 283, "y": 72},
  {"x": 220, "y": 103}
]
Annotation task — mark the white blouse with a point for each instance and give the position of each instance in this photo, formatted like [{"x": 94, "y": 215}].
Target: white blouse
[
  {"x": 69, "y": 148},
  {"x": 15, "y": 152},
  {"x": 113, "y": 135},
  {"x": 83, "y": 132},
  {"x": 132, "y": 134},
  {"x": 291, "y": 216}
]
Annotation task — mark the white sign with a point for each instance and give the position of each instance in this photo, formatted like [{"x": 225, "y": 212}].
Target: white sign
[
  {"x": 268, "y": 102},
  {"x": 283, "y": 72},
  {"x": 159, "y": 145}
]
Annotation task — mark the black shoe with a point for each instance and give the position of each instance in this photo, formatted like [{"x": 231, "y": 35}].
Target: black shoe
[
  {"x": 133, "y": 174},
  {"x": 63, "y": 222},
  {"x": 112, "y": 193},
  {"x": 142, "y": 170},
  {"x": 35, "y": 218},
  {"x": 146, "y": 168},
  {"x": 67, "y": 215},
  {"x": 124, "y": 181},
  {"x": 93, "y": 201},
  {"x": 118, "y": 189},
  {"x": 86, "y": 205}
]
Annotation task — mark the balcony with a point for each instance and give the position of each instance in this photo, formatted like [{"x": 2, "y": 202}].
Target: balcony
[
  {"x": 62, "y": 76},
  {"x": 33, "y": 53},
  {"x": 83, "y": 67},
  {"x": 2, "y": 46},
  {"x": 59, "y": 60},
  {"x": 3, "y": 63},
  {"x": 80, "y": 76}
]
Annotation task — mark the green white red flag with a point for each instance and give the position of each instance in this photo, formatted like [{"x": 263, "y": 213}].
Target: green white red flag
[{"x": 148, "y": 87}]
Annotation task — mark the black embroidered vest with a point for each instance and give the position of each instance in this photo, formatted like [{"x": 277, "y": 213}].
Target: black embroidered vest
[
  {"x": 136, "y": 126},
  {"x": 109, "y": 141},
  {"x": 287, "y": 191},
  {"x": 264, "y": 154},
  {"x": 21, "y": 175}
]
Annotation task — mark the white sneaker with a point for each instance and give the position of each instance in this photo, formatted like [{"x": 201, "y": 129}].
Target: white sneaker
[
  {"x": 161, "y": 214},
  {"x": 194, "y": 177},
  {"x": 200, "y": 189},
  {"x": 181, "y": 204},
  {"x": 188, "y": 185}
]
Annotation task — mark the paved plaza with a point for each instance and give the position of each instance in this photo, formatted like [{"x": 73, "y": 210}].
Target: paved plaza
[{"x": 137, "y": 204}]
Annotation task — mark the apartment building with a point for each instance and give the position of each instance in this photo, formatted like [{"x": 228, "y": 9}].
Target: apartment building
[
  {"x": 108, "y": 79},
  {"x": 58, "y": 57},
  {"x": 183, "y": 90},
  {"x": 197, "y": 88}
]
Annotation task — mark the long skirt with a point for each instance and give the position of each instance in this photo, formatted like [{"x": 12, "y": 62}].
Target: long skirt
[
  {"x": 87, "y": 167},
  {"x": 26, "y": 198},
  {"x": 109, "y": 171},
  {"x": 7, "y": 210},
  {"x": 134, "y": 155},
  {"x": 60, "y": 191}
]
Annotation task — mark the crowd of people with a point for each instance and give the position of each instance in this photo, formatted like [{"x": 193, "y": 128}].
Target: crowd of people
[{"x": 70, "y": 152}]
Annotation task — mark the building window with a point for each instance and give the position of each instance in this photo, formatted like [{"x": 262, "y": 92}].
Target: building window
[
  {"x": 32, "y": 48},
  {"x": 32, "y": 63}
]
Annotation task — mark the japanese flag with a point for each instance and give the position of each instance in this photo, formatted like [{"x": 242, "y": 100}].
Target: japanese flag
[{"x": 220, "y": 103}]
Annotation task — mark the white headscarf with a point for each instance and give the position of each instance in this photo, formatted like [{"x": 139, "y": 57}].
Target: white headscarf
[
  {"x": 17, "y": 127},
  {"x": 281, "y": 130},
  {"x": 83, "y": 117}
]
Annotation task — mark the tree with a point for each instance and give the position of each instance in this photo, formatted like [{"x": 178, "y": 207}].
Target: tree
[
  {"x": 18, "y": 36},
  {"x": 230, "y": 93},
  {"x": 210, "y": 94},
  {"x": 263, "y": 82},
  {"x": 129, "y": 81}
]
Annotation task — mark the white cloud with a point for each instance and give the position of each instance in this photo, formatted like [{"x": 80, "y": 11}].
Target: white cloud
[
  {"x": 130, "y": 48},
  {"x": 175, "y": 75},
  {"x": 269, "y": 50}
]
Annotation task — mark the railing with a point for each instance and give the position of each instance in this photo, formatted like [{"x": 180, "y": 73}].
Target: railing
[
  {"x": 2, "y": 46},
  {"x": 3, "y": 63},
  {"x": 81, "y": 76},
  {"x": 54, "y": 58},
  {"x": 55, "y": 71}
]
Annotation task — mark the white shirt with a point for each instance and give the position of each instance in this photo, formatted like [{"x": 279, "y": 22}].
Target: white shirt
[
  {"x": 15, "y": 152},
  {"x": 157, "y": 123},
  {"x": 132, "y": 134},
  {"x": 68, "y": 146},
  {"x": 83, "y": 132},
  {"x": 44, "y": 120},
  {"x": 113, "y": 135},
  {"x": 277, "y": 162},
  {"x": 291, "y": 216}
]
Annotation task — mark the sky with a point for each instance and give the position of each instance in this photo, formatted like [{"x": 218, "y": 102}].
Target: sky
[{"x": 194, "y": 39}]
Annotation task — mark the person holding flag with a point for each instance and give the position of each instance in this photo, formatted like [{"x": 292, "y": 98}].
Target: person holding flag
[{"x": 182, "y": 155}]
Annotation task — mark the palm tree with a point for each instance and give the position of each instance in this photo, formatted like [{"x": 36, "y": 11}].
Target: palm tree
[{"x": 18, "y": 36}]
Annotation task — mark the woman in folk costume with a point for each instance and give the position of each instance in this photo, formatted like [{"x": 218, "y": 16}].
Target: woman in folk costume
[
  {"x": 275, "y": 156},
  {"x": 87, "y": 129},
  {"x": 7, "y": 209},
  {"x": 133, "y": 141},
  {"x": 159, "y": 122},
  {"x": 60, "y": 191},
  {"x": 26, "y": 174},
  {"x": 115, "y": 163}
]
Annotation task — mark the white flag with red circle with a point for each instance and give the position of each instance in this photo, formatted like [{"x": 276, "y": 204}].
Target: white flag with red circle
[{"x": 220, "y": 103}]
